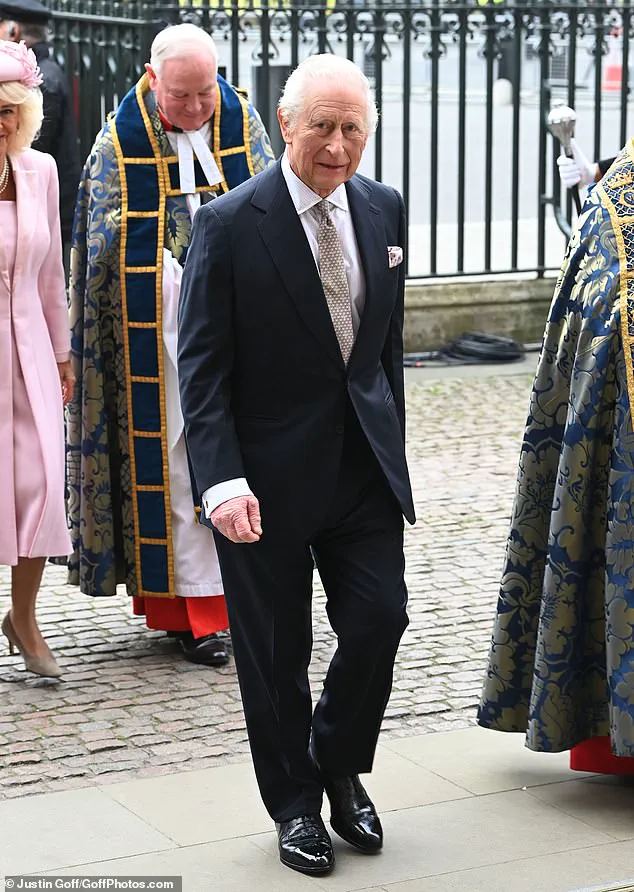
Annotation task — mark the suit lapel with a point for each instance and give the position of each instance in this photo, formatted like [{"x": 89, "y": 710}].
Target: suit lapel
[
  {"x": 371, "y": 240},
  {"x": 285, "y": 239},
  {"x": 26, "y": 207}
]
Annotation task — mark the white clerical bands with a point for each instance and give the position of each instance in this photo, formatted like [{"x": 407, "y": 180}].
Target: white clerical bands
[{"x": 188, "y": 142}]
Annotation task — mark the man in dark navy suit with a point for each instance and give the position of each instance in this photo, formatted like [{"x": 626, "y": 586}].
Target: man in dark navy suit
[{"x": 291, "y": 377}]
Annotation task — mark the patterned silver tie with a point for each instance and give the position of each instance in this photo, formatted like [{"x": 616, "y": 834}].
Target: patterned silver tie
[{"x": 333, "y": 278}]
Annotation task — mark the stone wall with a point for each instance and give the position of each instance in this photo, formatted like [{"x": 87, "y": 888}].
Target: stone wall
[{"x": 436, "y": 313}]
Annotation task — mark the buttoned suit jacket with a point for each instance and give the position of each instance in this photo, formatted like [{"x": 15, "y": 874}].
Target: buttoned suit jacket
[
  {"x": 35, "y": 331},
  {"x": 264, "y": 389}
]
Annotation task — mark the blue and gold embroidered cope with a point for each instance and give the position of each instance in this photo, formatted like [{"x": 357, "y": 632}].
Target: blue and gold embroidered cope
[
  {"x": 562, "y": 650},
  {"x": 129, "y": 208},
  {"x": 148, "y": 178}
]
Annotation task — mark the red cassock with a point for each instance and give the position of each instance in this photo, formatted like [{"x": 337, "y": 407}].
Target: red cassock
[
  {"x": 202, "y": 616},
  {"x": 595, "y": 755}
]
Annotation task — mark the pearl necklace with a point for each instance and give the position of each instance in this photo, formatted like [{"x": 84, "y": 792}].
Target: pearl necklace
[{"x": 4, "y": 176}]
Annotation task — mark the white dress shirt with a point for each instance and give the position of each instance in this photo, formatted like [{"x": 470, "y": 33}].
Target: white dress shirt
[{"x": 304, "y": 200}]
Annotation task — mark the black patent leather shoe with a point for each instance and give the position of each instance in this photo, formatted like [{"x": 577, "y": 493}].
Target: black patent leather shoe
[
  {"x": 305, "y": 845},
  {"x": 353, "y": 817},
  {"x": 210, "y": 650}
]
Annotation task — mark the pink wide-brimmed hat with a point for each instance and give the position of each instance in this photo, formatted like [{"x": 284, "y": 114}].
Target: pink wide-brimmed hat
[{"x": 18, "y": 63}]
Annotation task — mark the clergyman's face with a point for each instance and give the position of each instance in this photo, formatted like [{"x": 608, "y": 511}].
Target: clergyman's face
[
  {"x": 327, "y": 140},
  {"x": 185, "y": 90}
]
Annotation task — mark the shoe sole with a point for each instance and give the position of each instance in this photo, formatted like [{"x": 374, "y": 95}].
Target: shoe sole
[
  {"x": 213, "y": 663},
  {"x": 321, "y": 871},
  {"x": 354, "y": 844}
]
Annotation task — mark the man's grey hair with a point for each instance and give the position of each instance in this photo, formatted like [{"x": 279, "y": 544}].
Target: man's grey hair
[
  {"x": 180, "y": 42},
  {"x": 322, "y": 69}
]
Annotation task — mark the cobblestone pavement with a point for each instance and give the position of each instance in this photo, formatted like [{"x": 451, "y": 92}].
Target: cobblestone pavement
[{"x": 130, "y": 706}]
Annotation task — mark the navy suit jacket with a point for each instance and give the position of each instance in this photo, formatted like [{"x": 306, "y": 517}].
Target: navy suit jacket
[{"x": 264, "y": 389}]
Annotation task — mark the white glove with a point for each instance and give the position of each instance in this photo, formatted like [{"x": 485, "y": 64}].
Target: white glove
[{"x": 577, "y": 170}]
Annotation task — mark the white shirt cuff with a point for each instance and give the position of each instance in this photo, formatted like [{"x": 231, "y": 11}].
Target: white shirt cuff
[{"x": 222, "y": 492}]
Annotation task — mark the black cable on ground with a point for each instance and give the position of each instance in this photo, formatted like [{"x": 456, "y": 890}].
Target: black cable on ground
[{"x": 469, "y": 348}]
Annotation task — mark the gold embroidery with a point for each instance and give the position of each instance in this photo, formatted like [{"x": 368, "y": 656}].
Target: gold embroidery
[
  {"x": 126, "y": 341},
  {"x": 165, "y": 189},
  {"x": 246, "y": 138},
  {"x": 142, "y": 215},
  {"x": 216, "y": 147},
  {"x": 618, "y": 177},
  {"x": 141, "y": 89}
]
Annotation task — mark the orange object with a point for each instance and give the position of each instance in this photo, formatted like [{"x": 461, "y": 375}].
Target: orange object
[
  {"x": 613, "y": 67},
  {"x": 612, "y": 78}
]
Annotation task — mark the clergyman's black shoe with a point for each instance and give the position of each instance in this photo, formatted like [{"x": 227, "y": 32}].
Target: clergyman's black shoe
[
  {"x": 352, "y": 815},
  {"x": 210, "y": 650},
  {"x": 305, "y": 845}
]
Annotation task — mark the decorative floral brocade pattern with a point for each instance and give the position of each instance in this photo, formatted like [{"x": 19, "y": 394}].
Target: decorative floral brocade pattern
[
  {"x": 98, "y": 410},
  {"x": 562, "y": 653}
]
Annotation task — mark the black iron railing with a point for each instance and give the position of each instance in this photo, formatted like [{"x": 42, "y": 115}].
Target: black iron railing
[{"x": 463, "y": 93}]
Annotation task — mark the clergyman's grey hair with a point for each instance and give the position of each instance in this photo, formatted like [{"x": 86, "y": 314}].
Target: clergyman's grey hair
[{"x": 179, "y": 42}]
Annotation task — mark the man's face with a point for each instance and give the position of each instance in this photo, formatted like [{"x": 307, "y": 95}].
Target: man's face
[
  {"x": 327, "y": 142},
  {"x": 185, "y": 90}
]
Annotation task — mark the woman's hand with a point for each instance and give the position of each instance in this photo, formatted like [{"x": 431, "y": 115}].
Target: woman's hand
[{"x": 67, "y": 379}]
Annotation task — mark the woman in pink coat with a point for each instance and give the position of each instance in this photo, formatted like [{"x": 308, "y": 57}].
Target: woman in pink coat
[{"x": 35, "y": 374}]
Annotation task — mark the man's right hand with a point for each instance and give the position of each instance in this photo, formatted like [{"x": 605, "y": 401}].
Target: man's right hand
[{"x": 238, "y": 519}]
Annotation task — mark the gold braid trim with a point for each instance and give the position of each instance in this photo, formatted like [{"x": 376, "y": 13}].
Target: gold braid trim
[
  {"x": 142, "y": 88},
  {"x": 619, "y": 202}
]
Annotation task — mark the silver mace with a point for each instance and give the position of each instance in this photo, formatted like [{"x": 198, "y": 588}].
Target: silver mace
[{"x": 561, "y": 123}]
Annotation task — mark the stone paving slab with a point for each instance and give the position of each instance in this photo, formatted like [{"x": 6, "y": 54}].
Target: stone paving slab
[
  {"x": 129, "y": 706},
  {"x": 209, "y": 827}
]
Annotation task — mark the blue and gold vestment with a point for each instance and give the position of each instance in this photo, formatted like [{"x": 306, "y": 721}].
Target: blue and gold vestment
[
  {"x": 129, "y": 209},
  {"x": 561, "y": 664}
]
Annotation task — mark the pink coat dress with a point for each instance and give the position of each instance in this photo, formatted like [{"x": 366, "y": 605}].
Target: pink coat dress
[{"x": 34, "y": 337}]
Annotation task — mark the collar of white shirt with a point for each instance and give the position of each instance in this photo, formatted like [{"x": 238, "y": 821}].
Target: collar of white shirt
[{"x": 303, "y": 196}]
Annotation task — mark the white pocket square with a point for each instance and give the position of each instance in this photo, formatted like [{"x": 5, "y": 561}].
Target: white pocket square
[{"x": 394, "y": 255}]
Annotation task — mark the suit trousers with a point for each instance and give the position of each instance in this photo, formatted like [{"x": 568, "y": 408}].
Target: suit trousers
[{"x": 268, "y": 587}]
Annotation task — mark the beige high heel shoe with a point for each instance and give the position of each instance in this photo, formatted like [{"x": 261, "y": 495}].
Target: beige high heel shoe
[{"x": 44, "y": 666}]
